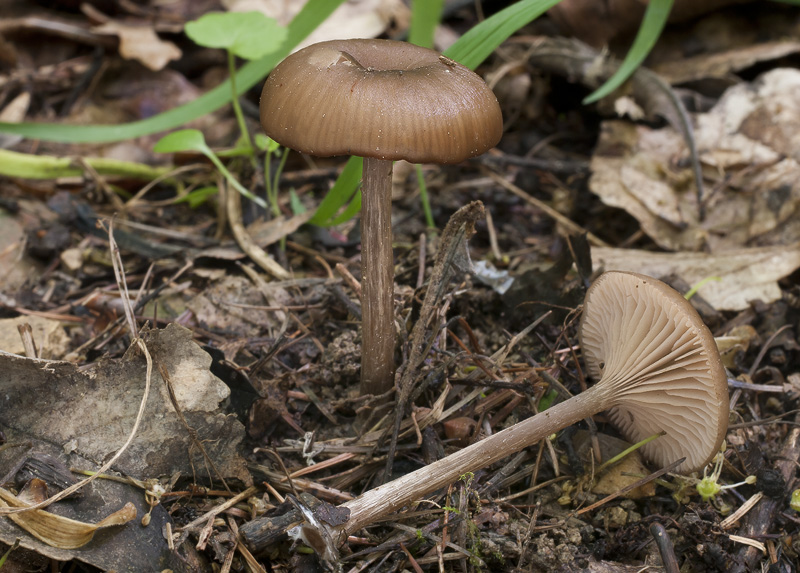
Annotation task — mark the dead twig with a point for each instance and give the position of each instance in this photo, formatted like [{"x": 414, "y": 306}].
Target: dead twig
[
  {"x": 547, "y": 209},
  {"x": 460, "y": 227},
  {"x": 233, "y": 204}
]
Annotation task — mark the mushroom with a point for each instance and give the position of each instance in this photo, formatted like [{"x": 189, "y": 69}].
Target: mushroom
[
  {"x": 658, "y": 369},
  {"x": 382, "y": 100}
]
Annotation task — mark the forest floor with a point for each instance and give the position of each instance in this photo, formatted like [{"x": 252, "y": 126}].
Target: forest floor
[{"x": 240, "y": 388}]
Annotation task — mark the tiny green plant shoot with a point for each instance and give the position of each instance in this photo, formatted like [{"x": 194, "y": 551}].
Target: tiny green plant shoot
[
  {"x": 270, "y": 148},
  {"x": 4, "y": 558},
  {"x": 193, "y": 140},
  {"x": 248, "y": 35},
  {"x": 709, "y": 486},
  {"x": 794, "y": 502}
]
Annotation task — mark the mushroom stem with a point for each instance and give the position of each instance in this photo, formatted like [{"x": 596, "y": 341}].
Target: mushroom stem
[
  {"x": 377, "y": 278},
  {"x": 385, "y": 499}
]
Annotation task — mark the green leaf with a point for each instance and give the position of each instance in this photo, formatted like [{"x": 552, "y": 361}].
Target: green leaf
[
  {"x": 351, "y": 211},
  {"x": 294, "y": 202},
  {"x": 193, "y": 140},
  {"x": 312, "y": 15},
  {"x": 199, "y": 196},
  {"x": 341, "y": 192},
  {"x": 547, "y": 400},
  {"x": 655, "y": 18},
  {"x": 265, "y": 143},
  {"x": 7, "y": 553},
  {"x": 249, "y": 35},
  {"x": 476, "y": 45},
  {"x": 425, "y": 16},
  {"x": 183, "y": 140}
]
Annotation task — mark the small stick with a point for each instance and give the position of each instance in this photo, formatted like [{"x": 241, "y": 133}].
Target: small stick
[
  {"x": 492, "y": 236},
  {"x": 423, "y": 255},
  {"x": 664, "y": 544},
  {"x": 548, "y": 210},
  {"x": 28, "y": 343},
  {"x": 348, "y": 278}
]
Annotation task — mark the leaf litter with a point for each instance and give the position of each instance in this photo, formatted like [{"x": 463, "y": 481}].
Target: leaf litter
[{"x": 233, "y": 349}]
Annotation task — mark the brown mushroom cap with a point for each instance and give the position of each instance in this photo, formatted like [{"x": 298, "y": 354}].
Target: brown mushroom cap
[
  {"x": 648, "y": 345},
  {"x": 379, "y": 98}
]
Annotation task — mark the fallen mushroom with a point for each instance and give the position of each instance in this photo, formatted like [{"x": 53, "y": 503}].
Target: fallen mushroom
[
  {"x": 659, "y": 370},
  {"x": 381, "y": 100}
]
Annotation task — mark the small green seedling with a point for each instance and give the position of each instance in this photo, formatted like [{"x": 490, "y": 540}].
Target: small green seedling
[
  {"x": 193, "y": 140},
  {"x": 7, "y": 553},
  {"x": 709, "y": 486},
  {"x": 693, "y": 291},
  {"x": 198, "y": 196},
  {"x": 271, "y": 147},
  {"x": 248, "y": 35},
  {"x": 794, "y": 502}
]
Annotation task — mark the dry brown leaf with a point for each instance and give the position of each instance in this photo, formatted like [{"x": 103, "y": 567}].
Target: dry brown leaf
[
  {"x": 735, "y": 341},
  {"x": 721, "y": 64},
  {"x": 141, "y": 43},
  {"x": 90, "y": 411},
  {"x": 58, "y": 531},
  {"x": 746, "y": 274},
  {"x": 49, "y": 335},
  {"x": 749, "y": 144}
]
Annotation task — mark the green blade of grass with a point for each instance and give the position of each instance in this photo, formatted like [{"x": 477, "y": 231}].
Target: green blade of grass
[
  {"x": 341, "y": 192},
  {"x": 425, "y": 16},
  {"x": 27, "y": 166},
  {"x": 351, "y": 211},
  {"x": 312, "y": 14},
  {"x": 476, "y": 45},
  {"x": 655, "y": 18}
]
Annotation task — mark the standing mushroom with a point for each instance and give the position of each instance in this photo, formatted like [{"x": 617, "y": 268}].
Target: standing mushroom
[{"x": 381, "y": 100}]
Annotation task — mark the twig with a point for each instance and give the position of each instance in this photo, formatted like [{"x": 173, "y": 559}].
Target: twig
[
  {"x": 28, "y": 343},
  {"x": 349, "y": 279},
  {"x": 547, "y": 209},
  {"x": 764, "y": 347},
  {"x": 458, "y": 229},
  {"x": 664, "y": 544},
  {"x": 632, "y": 486},
  {"x": 212, "y": 513},
  {"x": 233, "y": 203}
]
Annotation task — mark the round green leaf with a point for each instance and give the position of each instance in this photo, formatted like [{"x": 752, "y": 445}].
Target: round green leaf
[{"x": 249, "y": 35}]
